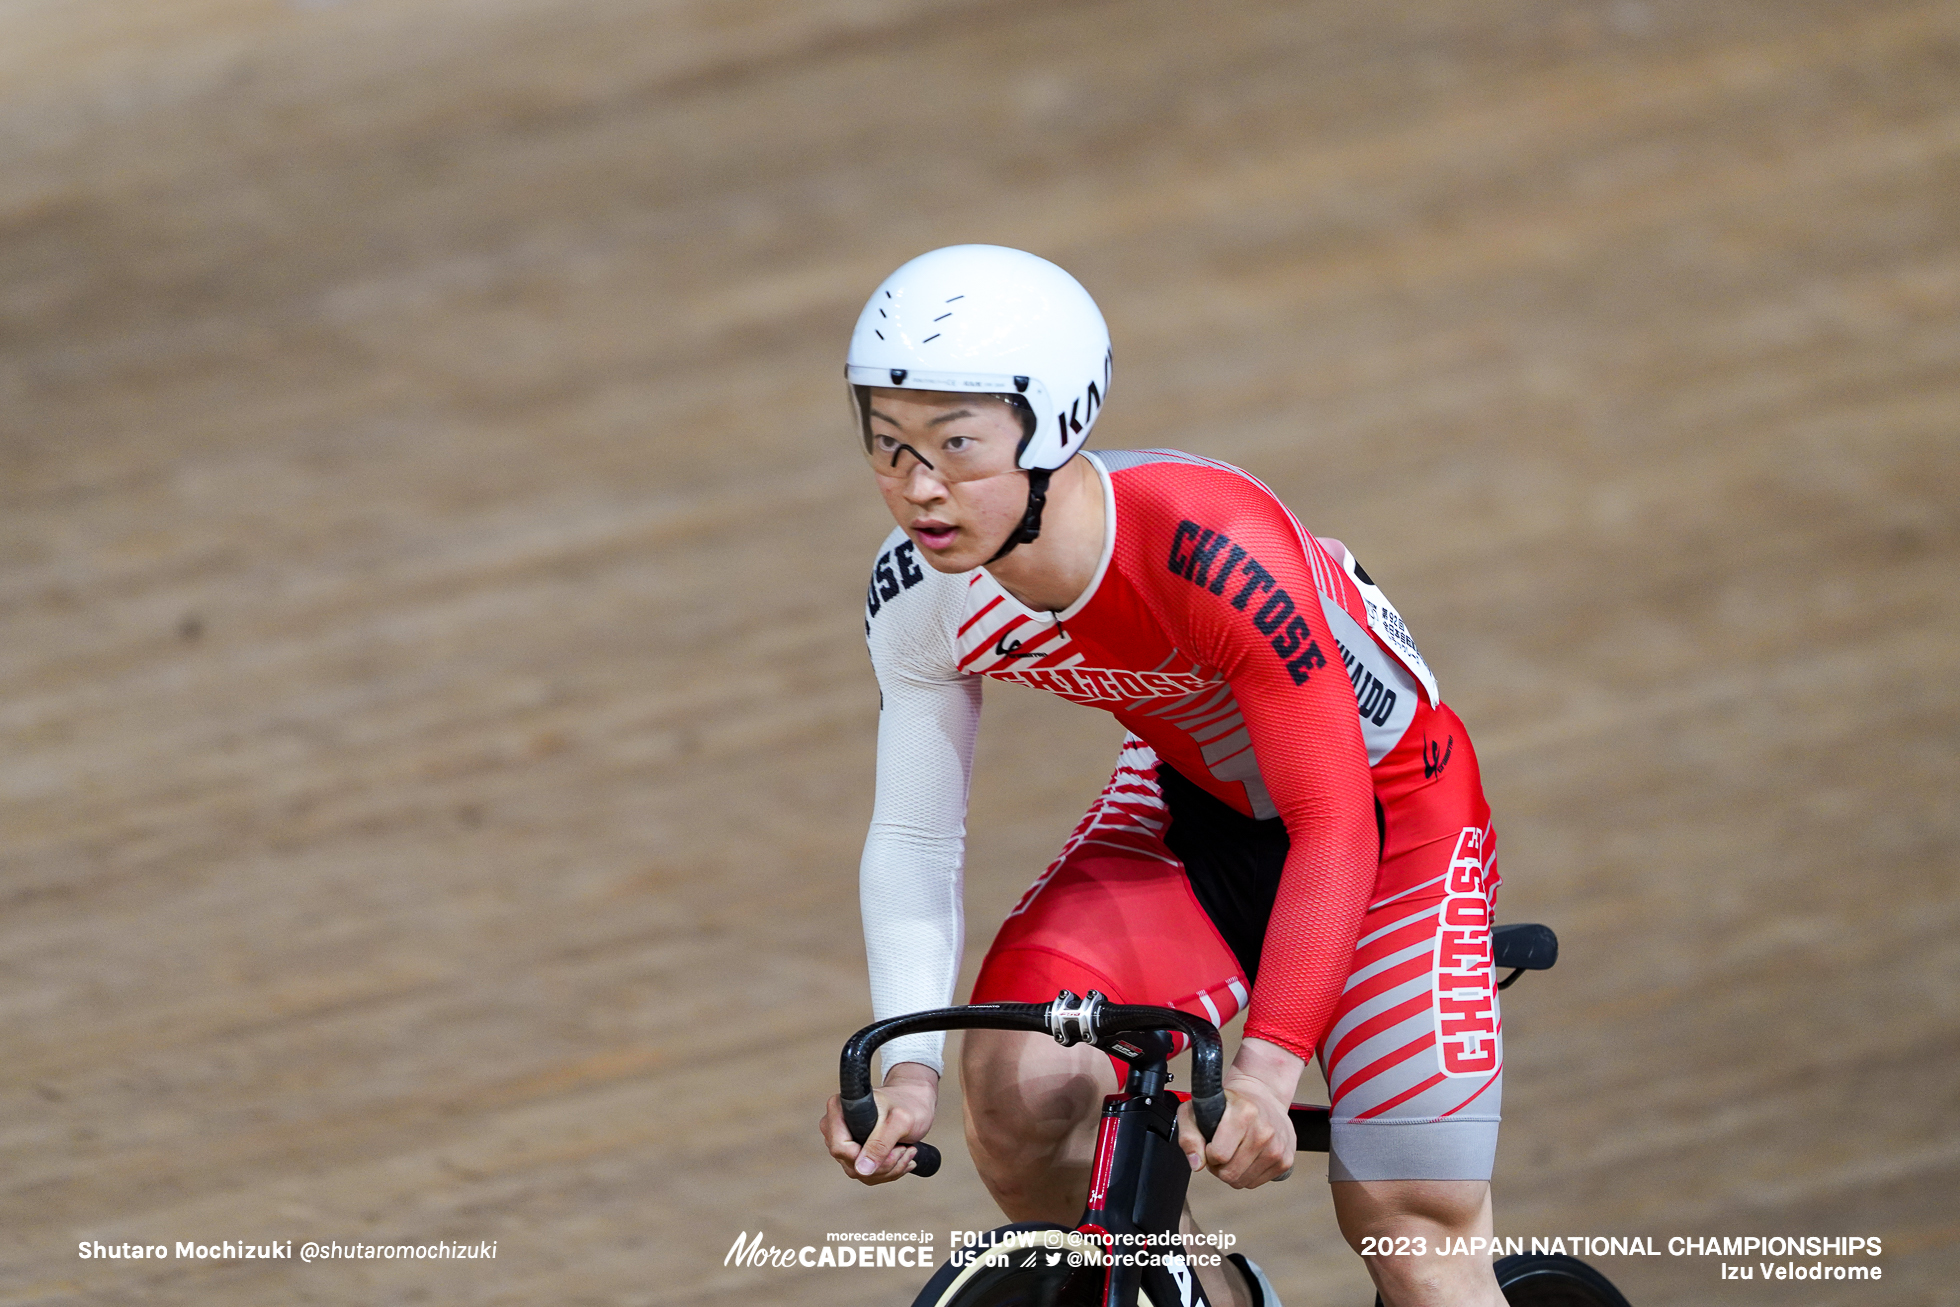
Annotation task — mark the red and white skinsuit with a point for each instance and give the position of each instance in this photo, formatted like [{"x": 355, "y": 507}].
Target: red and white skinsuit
[{"x": 1290, "y": 773}]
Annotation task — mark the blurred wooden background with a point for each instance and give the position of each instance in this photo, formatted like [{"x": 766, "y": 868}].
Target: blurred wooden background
[{"x": 435, "y": 733}]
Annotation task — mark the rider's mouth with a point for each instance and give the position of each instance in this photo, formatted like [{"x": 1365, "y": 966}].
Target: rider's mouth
[{"x": 935, "y": 535}]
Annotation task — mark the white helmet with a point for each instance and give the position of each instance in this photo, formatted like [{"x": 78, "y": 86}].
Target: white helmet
[{"x": 990, "y": 319}]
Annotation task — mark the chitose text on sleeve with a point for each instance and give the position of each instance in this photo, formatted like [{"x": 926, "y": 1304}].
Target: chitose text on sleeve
[{"x": 1226, "y": 570}]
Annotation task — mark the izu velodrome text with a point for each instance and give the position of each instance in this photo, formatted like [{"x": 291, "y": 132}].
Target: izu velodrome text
[{"x": 1600, "y": 1245}]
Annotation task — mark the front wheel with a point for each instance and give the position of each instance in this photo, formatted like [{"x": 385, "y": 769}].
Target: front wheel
[
  {"x": 1028, "y": 1265},
  {"x": 1551, "y": 1280},
  {"x": 1554, "y": 1280}
]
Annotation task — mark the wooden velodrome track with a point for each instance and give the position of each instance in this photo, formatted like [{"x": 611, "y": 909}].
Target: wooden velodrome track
[{"x": 435, "y": 732}]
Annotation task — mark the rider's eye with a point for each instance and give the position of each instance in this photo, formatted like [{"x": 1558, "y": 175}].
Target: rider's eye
[{"x": 957, "y": 443}]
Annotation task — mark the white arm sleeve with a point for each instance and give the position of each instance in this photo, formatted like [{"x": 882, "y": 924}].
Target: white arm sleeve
[{"x": 909, "y": 881}]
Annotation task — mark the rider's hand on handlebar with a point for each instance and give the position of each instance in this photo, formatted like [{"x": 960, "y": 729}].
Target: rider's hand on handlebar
[
  {"x": 905, "y": 1110},
  {"x": 1255, "y": 1140}
]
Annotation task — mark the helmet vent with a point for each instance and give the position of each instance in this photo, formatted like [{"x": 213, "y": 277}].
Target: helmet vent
[
  {"x": 956, "y": 297},
  {"x": 929, "y": 339},
  {"x": 879, "y": 334},
  {"x": 942, "y": 317}
]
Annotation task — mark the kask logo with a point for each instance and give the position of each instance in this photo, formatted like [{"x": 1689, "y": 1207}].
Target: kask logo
[{"x": 1083, "y": 411}]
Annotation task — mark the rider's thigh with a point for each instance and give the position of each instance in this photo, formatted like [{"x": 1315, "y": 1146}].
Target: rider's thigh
[{"x": 1116, "y": 913}]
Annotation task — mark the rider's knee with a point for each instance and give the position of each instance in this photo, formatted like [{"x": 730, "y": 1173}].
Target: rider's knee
[
  {"x": 1416, "y": 1208},
  {"x": 1001, "y": 1142},
  {"x": 1026, "y": 1096}
]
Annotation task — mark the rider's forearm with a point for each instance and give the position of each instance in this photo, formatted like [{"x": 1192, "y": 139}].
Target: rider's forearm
[
  {"x": 1271, "y": 1065},
  {"x": 1317, "y": 914},
  {"x": 912, "y": 1073},
  {"x": 909, "y": 880},
  {"x": 914, "y": 929},
  {"x": 1309, "y": 951}
]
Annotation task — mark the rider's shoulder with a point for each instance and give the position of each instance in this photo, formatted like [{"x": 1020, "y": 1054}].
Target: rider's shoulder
[
  {"x": 897, "y": 572},
  {"x": 1177, "y": 485}
]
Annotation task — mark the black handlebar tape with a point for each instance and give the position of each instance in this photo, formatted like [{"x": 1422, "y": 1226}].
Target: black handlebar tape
[
  {"x": 854, "y": 1070},
  {"x": 854, "y": 1067},
  {"x": 1208, "y": 1111},
  {"x": 861, "y": 1116}
]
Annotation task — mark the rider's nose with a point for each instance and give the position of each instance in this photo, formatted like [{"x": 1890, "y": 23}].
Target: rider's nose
[{"x": 921, "y": 487}]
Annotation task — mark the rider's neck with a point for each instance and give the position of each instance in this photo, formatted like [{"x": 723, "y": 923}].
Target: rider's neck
[{"x": 1056, "y": 569}]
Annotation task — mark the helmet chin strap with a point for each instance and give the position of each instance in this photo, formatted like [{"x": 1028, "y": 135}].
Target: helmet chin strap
[{"x": 1029, "y": 529}]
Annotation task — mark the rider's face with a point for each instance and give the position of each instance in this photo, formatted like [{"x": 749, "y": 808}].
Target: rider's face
[{"x": 945, "y": 465}]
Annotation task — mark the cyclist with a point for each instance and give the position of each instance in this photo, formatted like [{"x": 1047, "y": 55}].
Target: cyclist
[{"x": 1295, "y": 827}]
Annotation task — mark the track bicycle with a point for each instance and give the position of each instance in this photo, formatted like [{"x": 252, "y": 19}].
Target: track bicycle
[{"x": 1123, "y": 1251}]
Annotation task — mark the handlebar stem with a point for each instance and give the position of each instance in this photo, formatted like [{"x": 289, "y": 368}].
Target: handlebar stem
[{"x": 1072, "y": 1020}]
